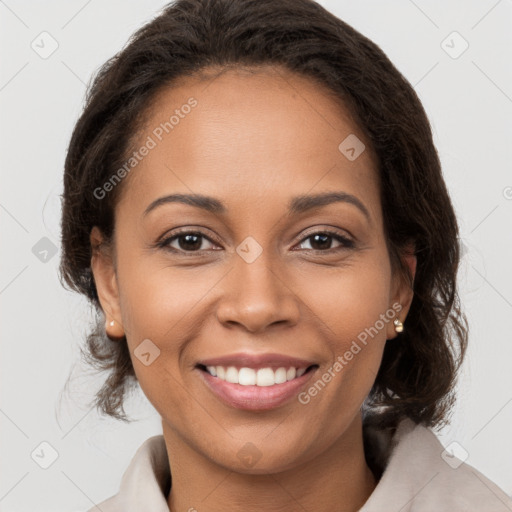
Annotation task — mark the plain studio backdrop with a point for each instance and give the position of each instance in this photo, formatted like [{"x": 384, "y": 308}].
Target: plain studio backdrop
[{"x": 456, "y": 54}]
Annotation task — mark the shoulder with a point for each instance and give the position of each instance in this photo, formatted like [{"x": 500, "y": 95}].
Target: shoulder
[
  {"x": 421, "y": 476},
  {"x": 145, "y": 482}
]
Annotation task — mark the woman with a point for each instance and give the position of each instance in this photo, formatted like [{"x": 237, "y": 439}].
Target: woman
[{"x": 254, "y": 204}]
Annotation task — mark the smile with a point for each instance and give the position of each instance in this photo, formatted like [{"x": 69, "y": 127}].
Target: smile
[
  {"x": 255, "y": 390},
  {"x": 256, "y": 377}
]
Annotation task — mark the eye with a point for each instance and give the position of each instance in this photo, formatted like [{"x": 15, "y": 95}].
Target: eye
[
  {"x": 186, "y": 241},
  {"x": 321, "y": 241},
  {"x": 193, "y": 241}
]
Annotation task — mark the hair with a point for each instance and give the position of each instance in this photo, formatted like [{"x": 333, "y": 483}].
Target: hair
[{"x": 418, "y": 371}]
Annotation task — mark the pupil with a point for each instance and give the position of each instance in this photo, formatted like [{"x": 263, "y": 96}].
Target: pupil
[
  {"x": 323, "y": 238},
  {"x": 189, "y": 242},
  {"x": 192, "y": 242}
]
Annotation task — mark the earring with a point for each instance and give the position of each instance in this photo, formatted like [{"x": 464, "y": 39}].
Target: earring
[
  {"x": 116, "y": 331},
  {"x": 399, "y": 326}
]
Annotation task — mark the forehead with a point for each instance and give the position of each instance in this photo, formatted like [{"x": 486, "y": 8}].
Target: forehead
[{"x": 250, "y": 134}]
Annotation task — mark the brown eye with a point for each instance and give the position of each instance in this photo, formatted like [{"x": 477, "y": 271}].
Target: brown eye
[
  {"x": 322, "y": 241},
  {"x": 187, "y": 241}
]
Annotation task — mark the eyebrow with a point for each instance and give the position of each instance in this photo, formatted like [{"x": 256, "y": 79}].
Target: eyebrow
[{"x": 297, "y": 205}]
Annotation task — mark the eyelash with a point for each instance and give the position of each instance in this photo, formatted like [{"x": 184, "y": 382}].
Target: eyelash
[{"x": 346, "y": 242}]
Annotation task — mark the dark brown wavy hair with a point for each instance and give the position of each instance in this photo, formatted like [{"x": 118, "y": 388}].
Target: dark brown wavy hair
[{"x": 419, "y": 368}]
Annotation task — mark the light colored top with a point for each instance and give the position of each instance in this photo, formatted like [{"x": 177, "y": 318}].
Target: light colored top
[{"x": 419, "y": 476}]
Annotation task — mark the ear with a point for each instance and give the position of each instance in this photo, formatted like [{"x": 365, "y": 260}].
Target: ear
[
  {"x": 402, "y": 293},
  {"x": 105, "y": 278}
]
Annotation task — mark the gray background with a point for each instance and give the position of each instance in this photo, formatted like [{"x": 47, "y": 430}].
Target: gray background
[{"x": 468, "y": 98}]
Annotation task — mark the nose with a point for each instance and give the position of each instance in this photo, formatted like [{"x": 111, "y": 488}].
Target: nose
[{"x": 256, "y": 296}]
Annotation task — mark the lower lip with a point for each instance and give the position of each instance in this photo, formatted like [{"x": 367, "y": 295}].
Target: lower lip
[{"x": 255, "y": 398}]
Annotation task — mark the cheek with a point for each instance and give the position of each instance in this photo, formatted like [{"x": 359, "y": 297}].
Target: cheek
[
  {"x": 346, "y": 306},
  {"x": 349, "y": 300},
  {"x": 164, "y": 305},
  {"x": 349, "y": 306},
  {"x": 157, "y": 299},
  {"x": 156, "y": 304}
]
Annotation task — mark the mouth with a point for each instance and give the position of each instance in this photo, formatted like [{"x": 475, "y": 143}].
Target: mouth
[
  {"x": 262, "y": 377},
  {"x": 255, "y": 389}
]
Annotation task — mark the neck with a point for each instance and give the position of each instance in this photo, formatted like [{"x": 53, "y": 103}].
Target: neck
[{"x": 337, "y": 479}]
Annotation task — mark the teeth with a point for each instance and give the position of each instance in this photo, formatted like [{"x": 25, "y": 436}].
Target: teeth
[
  {"x": 232, "y": 375},
  {"x": 251, "y": 377},
  {"x": 247, "y": 377}
]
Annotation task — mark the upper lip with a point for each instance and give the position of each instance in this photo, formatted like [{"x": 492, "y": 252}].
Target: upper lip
[{"x": 257, "y": 361}]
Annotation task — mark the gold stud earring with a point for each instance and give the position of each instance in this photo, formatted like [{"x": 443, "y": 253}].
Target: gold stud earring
[{"x": 399, "y": 326}]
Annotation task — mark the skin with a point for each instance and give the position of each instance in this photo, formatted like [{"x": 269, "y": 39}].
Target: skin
[{"x": 254, "y": 141}]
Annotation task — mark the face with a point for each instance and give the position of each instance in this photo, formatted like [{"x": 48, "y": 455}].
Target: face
[{"x": 256, "y": 270}]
